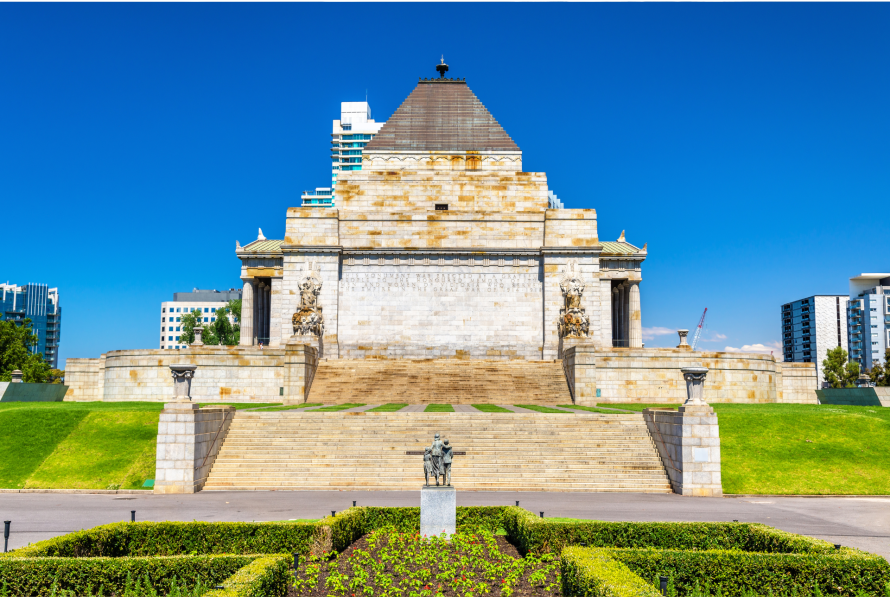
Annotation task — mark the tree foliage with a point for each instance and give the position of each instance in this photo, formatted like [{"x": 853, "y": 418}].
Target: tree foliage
[
  {"x": 880, "y": 374},
  {"x": 16, "y": 344},
  {"x": 218, "y": 332},
  {"x": 838, "y": 371}
]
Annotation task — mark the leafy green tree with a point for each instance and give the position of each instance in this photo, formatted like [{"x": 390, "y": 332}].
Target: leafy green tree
[
  {"x": 16, "y": 343},
  {"x": 234, "y": 308},
  {"x": 838, "y": 371},
  {"x": 223, "y": 329},
  {"x": 881, "y": 375},
  {"x": 188, "y": 323}
]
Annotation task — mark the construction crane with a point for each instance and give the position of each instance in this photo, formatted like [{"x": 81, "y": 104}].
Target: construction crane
[{"x": 698, "y": 329}]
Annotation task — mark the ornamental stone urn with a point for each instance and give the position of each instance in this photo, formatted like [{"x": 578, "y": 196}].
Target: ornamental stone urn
[
  {"x": 16, "y": 376},
  {"x": 182, "y": 381},
  {"x": 199, "y": 336},
  {"x": 683, "y": 345},
  {"x": 695, "y": 386}
]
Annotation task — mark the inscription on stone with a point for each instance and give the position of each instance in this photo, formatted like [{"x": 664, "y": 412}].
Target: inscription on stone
[{"x": 440, "y": 282}]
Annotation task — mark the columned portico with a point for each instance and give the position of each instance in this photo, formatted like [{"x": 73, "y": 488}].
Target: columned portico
[
  {"x": 247, "y": 318},
  {"x": 635, "y": 320}
]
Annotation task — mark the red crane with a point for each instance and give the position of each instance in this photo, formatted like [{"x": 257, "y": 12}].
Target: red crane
[{"x": 698, "y": 330}]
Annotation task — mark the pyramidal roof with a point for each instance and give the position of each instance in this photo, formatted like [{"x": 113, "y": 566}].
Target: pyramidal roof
[{"x": 442, "y": 115}]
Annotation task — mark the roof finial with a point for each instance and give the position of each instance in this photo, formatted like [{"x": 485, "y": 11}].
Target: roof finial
[
  {"x": 442, "y": 68},
  {"x": 621, "y": 238}
]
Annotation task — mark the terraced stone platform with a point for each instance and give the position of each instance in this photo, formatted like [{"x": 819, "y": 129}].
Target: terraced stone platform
[
  {"x": 292, "y": 450},
  {"x": 377, "y": 381}
]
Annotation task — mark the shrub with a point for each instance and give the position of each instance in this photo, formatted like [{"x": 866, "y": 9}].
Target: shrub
[
  {"x": 738, "y": 572},
  {"x": 88, "y": 576},
  {"x": 172, "y": 538},
  {"x": 537, "y": 535},
  {"x": 593, "y": 572},
  {"x": 263, "y": 577}
]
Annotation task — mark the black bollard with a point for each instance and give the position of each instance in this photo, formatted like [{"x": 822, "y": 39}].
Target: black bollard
[
  {"x": 296, "y": 561},
  {"x": 6, "y": 524},
  {"x": 837, "y": 545},
  {"x": 735, "y": 520},
  {"x": 353, "y": 503},
  {"x": 517, "y": 502},
  {"x": 333, "y": 512},
  {"x": 542, "y": 515},
  {"x": 132, "y": 515},
  {"x": 664, "y": 584}
]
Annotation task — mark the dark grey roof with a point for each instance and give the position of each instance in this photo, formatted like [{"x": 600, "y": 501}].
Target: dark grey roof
[{"x": 442, "y": 115}]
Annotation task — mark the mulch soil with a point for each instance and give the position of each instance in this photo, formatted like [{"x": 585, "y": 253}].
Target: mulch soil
[{"x": 521, "y": 588}]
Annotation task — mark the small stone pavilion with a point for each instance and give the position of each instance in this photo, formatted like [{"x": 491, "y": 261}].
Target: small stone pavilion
[{"x": 442, "y": 246}]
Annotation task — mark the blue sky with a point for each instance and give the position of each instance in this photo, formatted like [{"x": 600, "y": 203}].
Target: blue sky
[{"x": 746, "y": 143}]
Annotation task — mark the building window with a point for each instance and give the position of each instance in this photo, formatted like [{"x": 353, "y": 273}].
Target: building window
[
  {"x": 212, "y": 319},
  {"x": 177, "y": 329},
  {"x": 178, "y": 318},
  {"x": 170, "y": 338},
  {"x": 206, "y": 309},
  {"x": 177, "y": 339},
  {"x": 163, "y": 309},
  {"x": 205, "y": 320}
]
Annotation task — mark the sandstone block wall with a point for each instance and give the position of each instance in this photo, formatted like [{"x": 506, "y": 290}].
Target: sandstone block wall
[
  {"x": 689, "y": 445},
  {"x": 396, "y": 190},
  {"x": 505, "y": 161},
  {"x": 189, "y": 440},
  {"x": 238, "y": 374},
  {"x": 797, "y": 383},
  {"x": 85, "y": 379}
]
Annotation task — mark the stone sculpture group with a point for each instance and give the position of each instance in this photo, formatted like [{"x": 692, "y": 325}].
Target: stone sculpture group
[{"x": 437, "y": 461}]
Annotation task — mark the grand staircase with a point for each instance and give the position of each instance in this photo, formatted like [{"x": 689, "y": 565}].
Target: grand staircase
[
  {"x": 372, "y": 381},
  {"x": 292, "y": 450}
]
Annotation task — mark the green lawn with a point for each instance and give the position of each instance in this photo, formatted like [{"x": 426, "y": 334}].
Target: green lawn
[
  {"x": 541, "y": 409},
  {"x": 240, "y": 405},
  {"x": 804, "y": 449},
  {"x": 71, "y": 445},
  {"x": 388, "y": 408},
  {"x": 491, "y": 408},
  {"x": 336, "y": 407},
  {"x": 439, "y": 408},
  {"x": 636, "y": 406},
  {"x": 293, "y": 407},
  {"x": 590, "y": 409}
]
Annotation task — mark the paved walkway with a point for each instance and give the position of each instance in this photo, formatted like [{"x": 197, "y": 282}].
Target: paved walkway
[{"x": 858, "y": 522}]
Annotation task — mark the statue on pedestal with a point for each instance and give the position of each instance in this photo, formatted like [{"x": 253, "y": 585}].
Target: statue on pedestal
[
  {"x": 309, "y": 319},
  {"x": 573, "y": 321}
]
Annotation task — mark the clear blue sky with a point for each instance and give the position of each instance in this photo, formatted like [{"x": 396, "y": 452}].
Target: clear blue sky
[{"x": 746, "y": 143}]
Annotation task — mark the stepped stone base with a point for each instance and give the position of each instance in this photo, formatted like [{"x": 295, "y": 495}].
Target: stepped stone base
[
  {"x": 448, "y": 381},
  {"x": 293, "y": 450}
]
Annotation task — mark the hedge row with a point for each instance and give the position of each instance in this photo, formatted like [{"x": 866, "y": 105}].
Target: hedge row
[
  {"x": 89, "y": 576},
  {"x": 265, "y": 576},
  {"x": 537, "y": 535},
  {"x": 594, "y": 572},
  {"x": 737, "y": 572},
  {"x": 173, "y": 538}
]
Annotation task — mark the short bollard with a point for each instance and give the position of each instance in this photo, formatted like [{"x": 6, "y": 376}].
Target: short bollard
[
  {"x": 837, "y": 545},
  {"x": 6, "y": 524},
  {"x": 353, "y": 503},
  {"x": 735, "y": 520},
  {"x": 517, "y": 503},
  {"x": 663, "y": 580},
  {"x": 132, "y": 515},
  {"x": 296, "y": 561},
  {"x": 542, "y": 515},
  {"x": 333, "y": 512}
]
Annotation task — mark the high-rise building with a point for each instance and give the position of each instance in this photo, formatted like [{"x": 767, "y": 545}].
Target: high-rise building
[
  {"x": 813, "y": 326},
  {"x": 206, "y": 301},
  {"x": 40, "y": 304},
  {"x": 868, "y": 317},
  {"x": 351, "y": 133}
]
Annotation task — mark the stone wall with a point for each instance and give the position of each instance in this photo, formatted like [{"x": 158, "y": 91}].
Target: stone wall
[
  {"x": 652, "y": 375},
  {"x": 689, "y": 444},
  {"x": 388, "y": 160},
  {"x": 798, "y": 383},
  {"x": 237, "y": 374},
  {"x": 189, "y": 439},
  {"x": 85, "y": 379}
]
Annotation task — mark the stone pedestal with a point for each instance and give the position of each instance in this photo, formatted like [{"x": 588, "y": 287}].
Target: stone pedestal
[
  {"x": 300, "y": 363},
  {"x": 182, "y": 381},
  {"x": 438, "y": 511}
]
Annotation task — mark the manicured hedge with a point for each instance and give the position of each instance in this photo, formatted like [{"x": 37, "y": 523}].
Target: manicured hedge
[
  {"x": 37, "y": 576},
  {"x": 587, "y": 571},
  {"x": 536, "y": 535},
  {"x": 173, "y": 538},
  {"x": 737, "y": 572},
  {"x": 265, "y": 576}
]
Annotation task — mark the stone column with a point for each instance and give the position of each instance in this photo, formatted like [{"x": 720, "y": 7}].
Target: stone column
[
  {"x": 616, "y": 333},
  {"x": 268, "y": 303},
  {"x": 261, "y": 311},
  {"x": 622, "y": 314},
  {"x": 606, "y": 310},
  {"x": 247, "y": 314},
  {"x": 636, "y": 322}
]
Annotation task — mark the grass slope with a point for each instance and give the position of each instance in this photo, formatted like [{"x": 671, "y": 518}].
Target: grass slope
[
  {"x": 439, "y": 408},
  {"x": 388, "y": 408},
  {"x": 542, "y": 409},
  {"x": 337, "y": 407},
  {"x": 591, "y": 409},
  {"x": 764, "y": 449},
  {"x": 90, "y": 445},
  {"x": 491, "y": 408}
]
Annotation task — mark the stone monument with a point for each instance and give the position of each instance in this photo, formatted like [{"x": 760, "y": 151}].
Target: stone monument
[
  {"x": 438, "y": 503},
  {"x": 695, "y": 381},
  {"x": 182, "y": 382}
]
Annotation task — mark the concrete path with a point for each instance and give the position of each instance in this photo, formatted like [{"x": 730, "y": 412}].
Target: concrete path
[
  {"x": 464, "y": 408},
  {"x": 359, "y": 409},
  {"x": 857, "y": 522}
]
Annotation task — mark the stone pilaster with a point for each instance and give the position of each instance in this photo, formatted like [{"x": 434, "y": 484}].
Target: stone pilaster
[
  {"x": 580, "y": 363},
  {"x": 275, "y": 313},
  {"x": 689, "y": 444},
  {"x": 247, "y": 314},
  {"x": 635, "y": 315},
  {"x": 300, "y": 363},
  {"x": 604, "y": 339},
  {"x": 189, "y": 438}
]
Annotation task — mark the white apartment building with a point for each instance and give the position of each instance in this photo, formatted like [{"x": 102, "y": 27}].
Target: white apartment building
[
  {"x": 350, "y": 134},
  {"x": 813, "y": 326},
  {"x": 868, "y": 317},
  {"x": 206, "y": 301}
]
